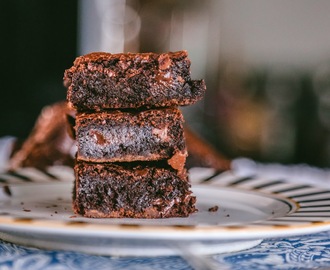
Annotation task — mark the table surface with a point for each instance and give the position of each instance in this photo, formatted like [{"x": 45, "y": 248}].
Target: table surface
[{"x": 304, "y": 252}]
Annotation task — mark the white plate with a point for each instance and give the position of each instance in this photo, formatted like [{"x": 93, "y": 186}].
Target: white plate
[{"x": 249, "y": 209}]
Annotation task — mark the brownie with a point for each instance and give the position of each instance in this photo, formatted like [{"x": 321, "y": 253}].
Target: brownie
[
  {"x": 48, "y": 143},
  {"x": 100, "y": 81},
  {"x": 119, "y": 136},
  {"x": 202, "y": 154},
  {"x": 131, "y": 190}
]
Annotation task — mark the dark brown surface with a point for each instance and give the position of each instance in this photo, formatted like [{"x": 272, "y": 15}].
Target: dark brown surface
[
  {"x": 99, "y": 81},
  {"x": 119, "y": 136},
  {"x": 134, "y": 191}
]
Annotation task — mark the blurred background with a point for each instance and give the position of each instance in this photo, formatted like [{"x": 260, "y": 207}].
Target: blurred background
[{"x": 266, "y": 65}]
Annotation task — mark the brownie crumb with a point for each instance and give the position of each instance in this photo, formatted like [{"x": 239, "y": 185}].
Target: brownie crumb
[
  {"x": 214, "y": 208},
  {"x": 26, "y": 210},
  {"x": 7, "y": 190}
]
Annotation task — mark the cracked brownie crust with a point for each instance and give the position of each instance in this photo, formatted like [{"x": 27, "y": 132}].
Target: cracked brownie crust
[{"x": 101, "y": 81}]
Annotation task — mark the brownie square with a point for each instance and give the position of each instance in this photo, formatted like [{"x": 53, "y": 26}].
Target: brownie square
[
  {"x": 101, "y": 81},
  {"x": 129, "y": 190},
  {"x": 119, "y": 136}
]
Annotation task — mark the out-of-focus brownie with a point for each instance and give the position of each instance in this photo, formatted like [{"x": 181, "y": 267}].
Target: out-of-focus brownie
[
  {"x": 48, "y": 143},
  {"x": 132, "y": 190},
  {"x": 100, "y": 81},
  {"x": 122, "y": 136},
  {"x": 202, "y": 154}
]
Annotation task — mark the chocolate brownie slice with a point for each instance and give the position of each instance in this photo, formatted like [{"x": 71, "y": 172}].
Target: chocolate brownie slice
[
  {"x": 119, "y": 136},
  {"x": 136, "y": 191},
  {"x": 49, "y": 142},
  {"x": 202, "y": 154},
  {"x": 100, "y": 81}
]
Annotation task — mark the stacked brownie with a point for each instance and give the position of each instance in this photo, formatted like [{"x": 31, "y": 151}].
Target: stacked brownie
[{"x": 129, "y": 131}]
